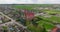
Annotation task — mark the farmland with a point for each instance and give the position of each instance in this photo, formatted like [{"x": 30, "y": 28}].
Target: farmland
[{"x": 36, "y": 17}]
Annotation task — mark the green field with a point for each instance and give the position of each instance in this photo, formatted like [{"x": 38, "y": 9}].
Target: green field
[{"x": 47, "y": 23}]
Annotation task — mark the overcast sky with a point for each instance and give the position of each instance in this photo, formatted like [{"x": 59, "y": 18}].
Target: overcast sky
[{"x": 29, "y": 1}]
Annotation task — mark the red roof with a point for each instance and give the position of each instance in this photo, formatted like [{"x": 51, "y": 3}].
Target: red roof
[
  {"x": 55, "y": 29},
  {"x": 29, "y": 15}
]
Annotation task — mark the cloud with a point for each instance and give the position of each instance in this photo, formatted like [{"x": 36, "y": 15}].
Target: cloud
[
  {"x": 29, "y": 1},
  {"x": 49, "y": 1},
  {"x": 7, "y": 1}
]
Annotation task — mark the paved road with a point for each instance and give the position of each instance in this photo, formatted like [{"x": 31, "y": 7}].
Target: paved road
[
  {"x": 12, "y": 21},
  {"x": 6, "y": 23},
  {"x": 5, "y": 16}
]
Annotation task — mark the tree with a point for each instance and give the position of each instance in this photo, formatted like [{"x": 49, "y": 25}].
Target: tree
[{"x": 5, "y": 29}]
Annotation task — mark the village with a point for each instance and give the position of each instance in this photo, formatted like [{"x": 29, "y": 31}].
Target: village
[{"x": 29, "y": 18}]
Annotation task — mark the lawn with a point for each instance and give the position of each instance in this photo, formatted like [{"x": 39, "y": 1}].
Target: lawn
[{"x": 47, "y": 22}]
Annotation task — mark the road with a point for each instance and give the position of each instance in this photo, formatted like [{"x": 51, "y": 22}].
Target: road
[
  {"x": 6, "y": 16},
  {"x": 12, "y": 21}
]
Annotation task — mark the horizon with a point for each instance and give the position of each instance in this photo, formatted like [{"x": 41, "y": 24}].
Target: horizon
[{"x": 29, "y": 1}]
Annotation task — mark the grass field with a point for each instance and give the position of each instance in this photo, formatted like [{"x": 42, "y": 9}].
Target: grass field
[{"x": 46, "y": 21}]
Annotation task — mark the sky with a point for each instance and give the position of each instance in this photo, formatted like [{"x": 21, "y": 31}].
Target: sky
[{"x": 29, "y": 1}]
